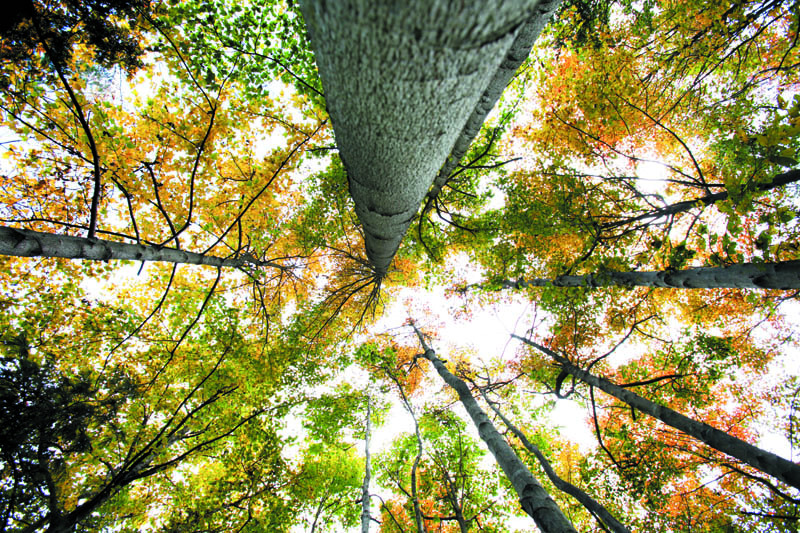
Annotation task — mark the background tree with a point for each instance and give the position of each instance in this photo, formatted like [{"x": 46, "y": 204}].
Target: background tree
[{"x": 210, "y": 140}]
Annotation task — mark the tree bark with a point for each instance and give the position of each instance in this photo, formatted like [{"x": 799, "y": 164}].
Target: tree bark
[
  {"x": 766, "y": 462},
  {"x": 365, "y": 516},
  {"x": 533, "y": 498},
  {"x": 783, "y": 275},
  {"x": 28, "y": 243},
  {"x": 401, "y": 79},
  {"x": 318, "y": 513},
  {"x": 594, "y": 507},
  {"x": 519, "y": 51}
]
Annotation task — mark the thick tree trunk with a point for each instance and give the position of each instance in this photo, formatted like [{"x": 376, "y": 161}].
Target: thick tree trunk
[
  {"x": 767, "y": 462},
  {"x": 783, "y": 275},
  {"x": 587, "y": 501},
  {"x": 29, "y": 243},
  {"x": 533, "y": 498},
  {"x": 401, "y": 79},
  {"x": 517, "y": 53},
  {"x": 365, "y": 516}
]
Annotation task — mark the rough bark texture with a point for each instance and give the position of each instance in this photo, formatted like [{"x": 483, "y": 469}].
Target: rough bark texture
[
  {"x": 517, "y": 53},
  {"x": 365, "y": 516},
  {"x": 561, "y": 484},
  {"x": 533, "y": 498},
  {"x": 28, "y": 243},
  {"x": 783, "y": 275},
  {"x": 401, "y": 79},
  {"x": 767, "y": 462}
]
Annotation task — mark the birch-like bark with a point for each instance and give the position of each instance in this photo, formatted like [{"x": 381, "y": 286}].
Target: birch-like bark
[
  {"x": 594, "y": 507},
  {"x": 417, "y": 458},
  {"x": 418, "y": 519},
  {"x": 782, "y": 275},
  {"x": 766, "y": 462},
  {"x": 533, "y": 498},
  {"x": 28, "y": 243},
  {"x": 414, "y": 469},
  {"x": 401, "y": 79},
  {"x": 365, "y": 516}
]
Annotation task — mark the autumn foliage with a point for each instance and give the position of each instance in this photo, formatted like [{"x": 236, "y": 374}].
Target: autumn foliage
[{"x": 638, "y": 136}]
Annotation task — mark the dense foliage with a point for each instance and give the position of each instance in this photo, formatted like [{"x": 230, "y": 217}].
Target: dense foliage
[{"x": 638, "y": 136}]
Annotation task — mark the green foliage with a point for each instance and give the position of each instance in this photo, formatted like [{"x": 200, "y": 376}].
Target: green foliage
[
  {"x": 328, "y": 415},
  {"x": 373, "y": 355},
  {"x": 172, "y": 398},
  {"x": 49, "y": 418},
  {"x": 329, "y": 486},
  {"x": 239, "y": 487},
  {"x": 254, "y": 43},
  {"x": 451, "y": 479}
]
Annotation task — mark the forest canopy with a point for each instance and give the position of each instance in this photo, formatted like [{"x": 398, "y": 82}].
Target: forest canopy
[{"x": 422, "y": 266}]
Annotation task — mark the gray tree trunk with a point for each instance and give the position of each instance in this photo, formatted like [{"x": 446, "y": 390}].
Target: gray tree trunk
[
  {"x": 782, "y": 275},
  {"x": 766, "y": 462},
  {"x": 365, "y": 516},
  {"x": 517, "y": 53},
  {"x": 587, "y": 501},
  {"x": 533, "y": 498},
  {"x": 29, "y": 243},
  {"x": 401, "y": 79},
  {"x": 792, "y": 176}
]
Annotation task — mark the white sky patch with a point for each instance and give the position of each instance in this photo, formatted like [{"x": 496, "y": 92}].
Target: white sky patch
[
  {"x": 652, "y": 177},
  {"x": 123, "y": 275},
  {"x": 573, "y": 421}
]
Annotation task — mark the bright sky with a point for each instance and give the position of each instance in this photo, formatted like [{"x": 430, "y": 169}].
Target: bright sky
[{"x": 486, "y": 331}]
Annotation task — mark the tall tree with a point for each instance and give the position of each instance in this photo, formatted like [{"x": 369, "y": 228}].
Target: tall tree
[
  {"x": 365, "y": 497},
  {"x": 638, "y": 137},
  {"x": 767, "y": 462},
  {"x": 427, "y": 69},
  {"x": 783, "y": 275},
  {"x": 597, "y": 509},
  {"x": 533, "y": 498}
]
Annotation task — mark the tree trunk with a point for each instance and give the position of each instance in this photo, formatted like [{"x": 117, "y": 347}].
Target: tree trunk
[
  {"x": 598, "y": 510},
  {"x": 519, "y": 51},
  {"x": 317, "y": 514},
  {"x": 452, "y": 494},
  {"x": 766, "y": 462},
  {"x": 532, "y": 496},
  {"x": 401, "y": 79},
  {"x": 782, "y": 275},
  {"x": 29, "y": 243},
  {"x": 365, "y": 516}
]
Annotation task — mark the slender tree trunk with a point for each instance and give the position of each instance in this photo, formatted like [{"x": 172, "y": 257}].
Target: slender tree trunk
[
  {"x": 414, "y": 469},
  {"x": 29, "y": 243},
  {"x": 533, "y": 498},
  {"x": 782, "y": 275},
  {"x": 401, "y": 79},
  {"x": 418, "y": 519},
  {"x": 587, "y": 501},
  {"x": 458, "y": 511},
  {"x": 780, "y": 180},
  {"x": 317, "y": 514},
  {"x": 766, "y": 462},
  {"x": 365, "y": 516}
]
